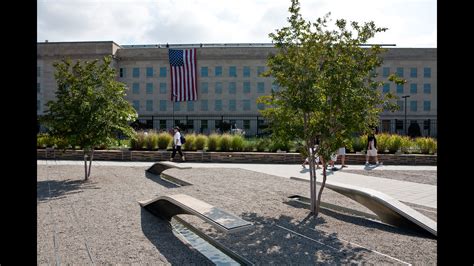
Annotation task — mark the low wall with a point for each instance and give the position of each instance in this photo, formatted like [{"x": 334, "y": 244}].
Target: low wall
[{"x": 228, "y": 157}]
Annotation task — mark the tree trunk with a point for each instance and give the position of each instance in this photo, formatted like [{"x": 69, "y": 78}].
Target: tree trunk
[
  {"x": 91, "y": 157},
  {"x": 321, "y": 190},
  {"x": 85, "y": 165},
  {"x": 312, "y": 176}
]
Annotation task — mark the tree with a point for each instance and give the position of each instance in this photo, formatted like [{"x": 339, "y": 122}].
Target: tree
[
  {"x": 327, "y": 90},
  {"x": 90, "y": 108}
]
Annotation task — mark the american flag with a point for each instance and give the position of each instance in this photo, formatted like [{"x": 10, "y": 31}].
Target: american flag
[{"x": 183, "y": 75}]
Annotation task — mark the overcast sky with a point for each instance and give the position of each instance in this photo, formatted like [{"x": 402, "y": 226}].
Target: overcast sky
[{"x": 410, "y": 23}]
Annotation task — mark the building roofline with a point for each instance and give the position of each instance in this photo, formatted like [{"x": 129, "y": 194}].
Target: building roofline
[{"x": 48, "y": 42}]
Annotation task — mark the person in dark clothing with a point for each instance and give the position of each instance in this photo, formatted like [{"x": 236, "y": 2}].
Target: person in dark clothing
[{"x": 372, "y": 148}]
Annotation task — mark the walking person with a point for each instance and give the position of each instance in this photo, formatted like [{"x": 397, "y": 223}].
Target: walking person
[
  {"x": 177, "y": 144},
  {"x": 316, "y": 156},
  {"x": 342, "y": 152},
  {"x": 372, "y": 148}
]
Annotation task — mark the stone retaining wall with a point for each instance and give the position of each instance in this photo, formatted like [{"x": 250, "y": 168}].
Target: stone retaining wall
[{"x": 227, "y": 157}]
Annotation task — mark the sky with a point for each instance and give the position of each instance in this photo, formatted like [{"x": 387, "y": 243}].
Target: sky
[{"x": 410, "y": 23}]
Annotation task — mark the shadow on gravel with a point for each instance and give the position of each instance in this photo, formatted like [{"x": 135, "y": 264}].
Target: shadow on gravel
[
  {"x": 157, "y": 179},
  {"x": 369, "y": 224},
  {"x": 56, "y": 189},
  {"x": 286, "y": 241},
  {"x": 160, "y": 234}
]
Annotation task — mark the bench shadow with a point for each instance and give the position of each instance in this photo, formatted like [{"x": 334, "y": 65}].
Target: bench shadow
[
  {"x": 56, "y": 189},
  {"x": 160, "y": 233},
  {"x": 365, "y": 222},
  {"x": 159, "y": 181}
]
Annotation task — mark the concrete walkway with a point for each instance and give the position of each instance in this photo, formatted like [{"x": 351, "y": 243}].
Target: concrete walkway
[{"x": 421, "y": 194}]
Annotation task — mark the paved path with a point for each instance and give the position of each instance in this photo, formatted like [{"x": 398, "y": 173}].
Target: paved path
[{"x": 421, "y": 194}]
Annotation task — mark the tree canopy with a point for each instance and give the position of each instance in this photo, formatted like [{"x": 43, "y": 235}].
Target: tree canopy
[{"x": 327, "y": 86}]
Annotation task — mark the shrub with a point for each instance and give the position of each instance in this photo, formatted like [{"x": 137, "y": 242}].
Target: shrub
[
  {"x": 152, "y": 140},
  {"x": 237, "y": 142},
  {"x": 139, "y": 141},
  {"x": 42, "y": 140},
  {"x": 406, "y": 144},
  {"x": 262, "y": 144},
  {"x": 212, "y": 142},
  {"x": 249, "y": 145},
  {"x": 383, "y": 142},
  {"x": 281, "y": 145},
  {"x": 164, "y": 140},
  {"x": 200, "y": 142},
  {"x": 359, "y": 143},
  {"x": 189, "y": 145},
  {"x": 225, "y": 142},
  {"x": 426, "y": 145},
  {"x": 394, "y": 143}
]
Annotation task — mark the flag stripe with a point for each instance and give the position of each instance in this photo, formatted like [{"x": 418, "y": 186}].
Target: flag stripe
[{"x": 183, "y": 74}]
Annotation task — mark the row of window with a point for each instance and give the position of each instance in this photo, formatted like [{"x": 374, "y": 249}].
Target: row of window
[
  {"x": 204, "y": 87},
  {"x": 204, "y": 105},
  {"x": 413, "y": 88},
  {"x": 414, "y": 106},
  {"x": 413, "y": 72},
  {"x": 204, "y": 124},
  {"x": 218, "y": 71}
]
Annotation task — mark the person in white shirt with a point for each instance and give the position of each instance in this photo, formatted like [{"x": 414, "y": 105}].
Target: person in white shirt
[{"x": 177, "y": 144}]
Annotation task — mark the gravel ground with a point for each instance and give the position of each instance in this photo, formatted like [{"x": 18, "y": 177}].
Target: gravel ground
[
  {"x": 416, "y": 176},
  {"x": 100, "y": 221}
]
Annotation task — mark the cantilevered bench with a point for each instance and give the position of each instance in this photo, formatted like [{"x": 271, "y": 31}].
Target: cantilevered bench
[
  {"x": 168, "y": 206},
  {"x": 159, "y": 167},
  {"x": 388, "y": 209}
]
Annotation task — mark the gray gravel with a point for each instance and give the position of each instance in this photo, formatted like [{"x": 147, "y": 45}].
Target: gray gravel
[
  {"x": 416, "y": 176},
  {"x": 100, "y": 221}
]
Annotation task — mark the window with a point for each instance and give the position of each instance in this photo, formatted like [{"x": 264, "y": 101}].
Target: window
[
  {"x": 218, "y": 105},
  {"x": 400, "y": 71},
  {"x": 149, "y": 72},
  {"x": 427, "y": 88},
  {"x": 149, "y": 88},
  {"x": 149, "y": 105},
  {"x": 427, "y": 72},
  {"x": 162, "y": 72},
  {"x": 246, "y": 71},
  {"x": 246, "y": 124},
  {"x": 398, "y": 124},
  {"x": 232, "y": 105},
  {"x": 385, "y": 125},
  {"x": 190, "y": 106},
  {"x": 122, "y": 72},
  {"x": 260, "y": 70},
  {"x": 204, "y": 87},
  {"x": 136, "y": 88},
  {"x": 261, "y": 87},
  {"x": 426, "y": 124},
  {"x": 204, "y": 105},
  {"x": 400, "y": 106},
  {"x": 162, "y": 105},
  {"x": 246, "y": 105},
  {"x": 38, "y": 87},
  {"x": 385, "y": 72},
  {"x": 162, "y": 124},
  {"x": 38, "y": 71},
  {"x": 162, "y": 87},
  {"x": 246, "y": 86},
  {"x": 232, "y": 71},
  {"x": 204, "y": 71},
  {"x": 177, "y": 106},
  {"x": 38, "y": 105},
  {"x": 218, "y": 71},
  {"x": 190, "y": 124},
  {"x": 136, "y": 72},
  {"x": 399, "y": 88},
  {"x": 136, "y": 105},
  {"x": 218, "y": 87},
  {"x": 232, "y": 87},
  {"x": 413, "y": 72},
  {"x": 260, "y": 106},
  {"x": 204, "y": 124},
  {"x": 413, "y": 106},
  {"x": 426, "y": 106},
  {"x": 413, "y": 88},
  {"x": 386, "y": 87}
]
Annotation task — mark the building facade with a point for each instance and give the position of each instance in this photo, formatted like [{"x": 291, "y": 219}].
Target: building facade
[{"x": 229, "y": 83}]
